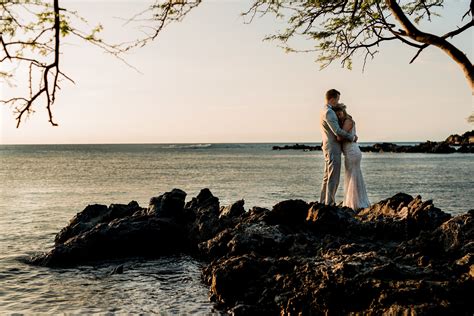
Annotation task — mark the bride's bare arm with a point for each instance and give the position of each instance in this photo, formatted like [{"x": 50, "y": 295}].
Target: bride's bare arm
[{"x": 347, "y": 126}]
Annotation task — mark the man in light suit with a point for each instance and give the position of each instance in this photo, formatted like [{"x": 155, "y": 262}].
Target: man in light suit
[{"x": 330, "y": 129}]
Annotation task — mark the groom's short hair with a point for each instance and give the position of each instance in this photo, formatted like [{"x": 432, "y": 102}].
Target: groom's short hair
[{"x": 333, "y": 93}]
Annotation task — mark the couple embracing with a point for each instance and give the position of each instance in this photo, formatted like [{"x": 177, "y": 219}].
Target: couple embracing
[{"x": 339, "y": 136}]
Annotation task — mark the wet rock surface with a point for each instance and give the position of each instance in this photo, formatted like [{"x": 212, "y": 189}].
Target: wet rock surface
[{"x": 400, "y": 256}]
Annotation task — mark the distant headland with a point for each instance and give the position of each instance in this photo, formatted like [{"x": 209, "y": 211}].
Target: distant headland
[{"x": 454, "y": 143}]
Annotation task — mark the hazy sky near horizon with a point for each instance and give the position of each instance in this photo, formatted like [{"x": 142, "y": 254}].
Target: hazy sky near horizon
[{"x": 211, "y": 78}]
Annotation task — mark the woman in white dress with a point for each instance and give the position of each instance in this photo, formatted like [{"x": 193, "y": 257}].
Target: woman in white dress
[{"x": 355, "y": 193}]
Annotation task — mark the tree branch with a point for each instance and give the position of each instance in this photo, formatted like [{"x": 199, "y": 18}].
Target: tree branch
[
  {"x": 447, "y": 35},
  {"x": 21, "y": 42},
  {"x": 46, "y": 89},
  {"x": 5, "y": 48},
  {"x": 426, "y": 38}
]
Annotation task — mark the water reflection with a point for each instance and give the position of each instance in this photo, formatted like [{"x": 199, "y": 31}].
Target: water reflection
[{"x": 169, "y": 284}]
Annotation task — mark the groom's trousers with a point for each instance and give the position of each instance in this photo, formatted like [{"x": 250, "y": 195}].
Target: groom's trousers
[{"x": 332, "y": 173}]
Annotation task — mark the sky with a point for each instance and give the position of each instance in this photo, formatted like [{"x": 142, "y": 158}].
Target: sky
[{"x": 211, "y": 79}]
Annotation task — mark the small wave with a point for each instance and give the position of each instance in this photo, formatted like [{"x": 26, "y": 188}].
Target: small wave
[{"x": 187, "y": 146}]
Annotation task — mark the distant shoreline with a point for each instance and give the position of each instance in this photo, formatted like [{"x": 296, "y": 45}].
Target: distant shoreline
[
  {"x": 454, "y": 143},
  {"x": 426, "y": 147}
]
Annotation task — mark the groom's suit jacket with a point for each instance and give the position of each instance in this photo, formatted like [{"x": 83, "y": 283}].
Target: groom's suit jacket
[{"x": 330, "y": 129}]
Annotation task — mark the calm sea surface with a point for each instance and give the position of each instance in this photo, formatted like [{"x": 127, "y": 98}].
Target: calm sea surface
[{"x": 43, "y": 186}]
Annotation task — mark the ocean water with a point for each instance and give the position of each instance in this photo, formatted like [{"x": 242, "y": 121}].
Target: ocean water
[{"x": 43, "y": 186}]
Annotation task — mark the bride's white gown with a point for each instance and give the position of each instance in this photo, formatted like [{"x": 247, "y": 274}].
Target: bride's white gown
[{"x": 355, "y": 193}]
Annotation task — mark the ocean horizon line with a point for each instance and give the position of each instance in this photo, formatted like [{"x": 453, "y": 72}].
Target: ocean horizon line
[{"x": 204, "y": 143}]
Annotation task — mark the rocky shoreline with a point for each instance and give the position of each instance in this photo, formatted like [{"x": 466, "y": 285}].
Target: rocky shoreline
[
  {"x": 464, "y": 143},
  {"x": 400, "y": 256},
  {"x": 297, "y": 147}
]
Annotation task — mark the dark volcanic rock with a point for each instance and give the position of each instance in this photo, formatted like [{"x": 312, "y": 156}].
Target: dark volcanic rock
[
  {"x": 432, "y": 147},
  {"x": 466, "y": 149},
  {"x": 202, "y": 217},
  {"x": 441, "y": 148},
  {"x": 341, "y": 261},
  {"x": 467, "y": 146},
  {"x": 445, "y": 147},
  {"x": 93, "y": 215},
  {"x": 399, "y": 256},
  {"x": 289, "y": 211},
  {"x": 236, "y": 279},
  {"x": 143, "y": 235},
  {"x": 233, "y": 210},
  {"x": 297, "y": 147},
  {"x": 170, "y": 204},
  {"x": 426, "y": 147},
  {"x": 463, "y": 139},
  {"x": 326, "y": 218},
  {"x": 402, "y": 217},
  {"x": 256, "y": 237},
  {"x": 453, "y": 237},
  {"x": 381, "y": 147}
]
